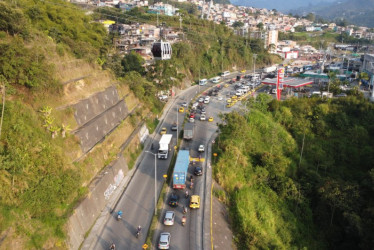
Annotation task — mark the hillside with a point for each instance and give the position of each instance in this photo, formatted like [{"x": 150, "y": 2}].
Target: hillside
[
  {"x": 58, "y": 68},
  {"x": 48, "y": 54},
  {"x": 358, "y": 12},
  {"x": 299, "y": 173},
  {"x": 283, "y": 6}
]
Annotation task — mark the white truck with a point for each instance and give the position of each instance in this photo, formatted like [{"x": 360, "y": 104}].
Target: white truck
[
  {"x": 269, "y": 69},
  {"x": 164, "y": 148}
]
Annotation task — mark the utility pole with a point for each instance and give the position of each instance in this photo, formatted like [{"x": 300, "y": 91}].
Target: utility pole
[
  {"x": 2, "y": 112},
  {"x": 180, "y": 22},
  {"x": 157, "y": 18}
]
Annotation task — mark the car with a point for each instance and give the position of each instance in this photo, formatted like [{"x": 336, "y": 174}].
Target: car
[
  {"x": 163, "y": 97},
  {"x": 234, "y": 101},
  {"x": 202, "y": 117},
  {"x": 181, "y": 110},
  {"x": 198, "y": 171},
  {"x": 191, "y": 119},
  {"x": 174, "y": 127},
  {"x": 234, "y": 97},
  {"x": 174, "y": 200},
  {"x": 211, "y": 119},
  {"x": 192, "y": 115},
  {"x": 169, "y": 218},
  {"x": 201, "y": 99},
  {"x": 220, "y": 98},
  {"x": 228, "y": 100},
  {"x": 226, "y": 85},
  {"x": 203, "y": 111},
  {"x": 184, "y": 104},
  {"x": 201, "y": 148},
  {"x": 243, "y": 71},
  {"x": 163, "y": 131},
  {"x": 228, "y": 105},
  {"x": 195, "y": 201},
  {"x": 164, "y": 242},
  {"x": 341, "y": 95},
  {"x": 240, "y": 98}
]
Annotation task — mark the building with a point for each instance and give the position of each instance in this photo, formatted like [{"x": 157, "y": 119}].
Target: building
[
  {"x": 271, "y": 37},
  {"x": 368, "y": 64}
]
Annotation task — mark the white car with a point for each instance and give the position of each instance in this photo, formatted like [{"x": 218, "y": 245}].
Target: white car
[
  {"x": 201, "y": 148},
  {"x": 220, "y": 98},
  {"x": 164, "y": 242},
  {"x": 169, "y": 218},
  {"x": 202, "y": 117},
  {"x": 201, "y": 99}
]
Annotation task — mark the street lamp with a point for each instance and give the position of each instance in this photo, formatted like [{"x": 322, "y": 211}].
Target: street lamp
[
  {"x": 155, "y": 155},
  {"x": 254, "y": 68}
]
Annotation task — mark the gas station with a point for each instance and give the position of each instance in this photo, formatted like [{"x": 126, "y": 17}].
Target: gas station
[{"x": 290, "y": 82}]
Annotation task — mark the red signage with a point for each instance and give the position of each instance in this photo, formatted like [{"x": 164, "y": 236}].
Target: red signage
[{"x": 280, "y": 78}]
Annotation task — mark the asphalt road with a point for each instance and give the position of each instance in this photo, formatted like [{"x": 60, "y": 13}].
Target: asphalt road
[
  {"x": 190, "y": 236},
  {"x": 137, "y": 202}
]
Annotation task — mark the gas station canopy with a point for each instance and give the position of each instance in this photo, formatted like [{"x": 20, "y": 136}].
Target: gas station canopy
[{"x": 289, "y": 82}]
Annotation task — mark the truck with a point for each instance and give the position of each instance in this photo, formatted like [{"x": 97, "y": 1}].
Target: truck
[
  {"x": 269, "y": 69},
  {"x": 180, "y": 169},
  {"x": 188, "y": 131},
  {"x": 164, "y": 147}
]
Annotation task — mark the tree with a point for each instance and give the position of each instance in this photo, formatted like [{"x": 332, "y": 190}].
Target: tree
[
  {"x": 260, "y": 26},
  {"x": 133, "y": 62},
  {"x": 311, "y": 17},
  {"x": 237, "y": 24},
  {"x": 12, "y": 20}
]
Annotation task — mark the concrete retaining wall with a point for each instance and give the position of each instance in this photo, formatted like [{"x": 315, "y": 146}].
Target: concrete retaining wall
[{"x": 101, "y": 190}]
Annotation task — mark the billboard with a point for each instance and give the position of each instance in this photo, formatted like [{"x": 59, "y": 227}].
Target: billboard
[{"x": 280, "y": 78}]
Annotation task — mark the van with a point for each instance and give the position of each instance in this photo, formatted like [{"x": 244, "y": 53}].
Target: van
[
  {"x": 202, "y": 82},
  {"x": 226, "y": 73},
  {"x": 239, "y": 92},
  {"x": 245, "y": 88},
  {"x": 216, "y": 79}
]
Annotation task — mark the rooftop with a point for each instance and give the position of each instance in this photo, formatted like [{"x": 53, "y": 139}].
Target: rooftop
[{"x": 289, "y": 82}]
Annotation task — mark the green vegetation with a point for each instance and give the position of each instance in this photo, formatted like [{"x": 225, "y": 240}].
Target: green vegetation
[
  {"x": 40, "y": 186},
  {"x": 206, "y": 49},
  {"x": 299, "y": 174}
]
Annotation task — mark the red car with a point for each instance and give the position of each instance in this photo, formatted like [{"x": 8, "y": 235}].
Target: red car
[{"x": 192, "y": 115}]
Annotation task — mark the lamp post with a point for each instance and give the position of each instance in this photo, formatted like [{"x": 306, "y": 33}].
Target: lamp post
[{"x": 155, "y": 155}]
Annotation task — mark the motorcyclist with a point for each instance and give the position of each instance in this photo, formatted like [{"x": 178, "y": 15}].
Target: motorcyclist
[
  {"x": 184, "y": 209},
  {"x": 113, "y": 246},
  {"x": 119, "y": 215},
  {"x": 184, "y": 220},
  {"x": 186, "y": 194},
  {"x": 139, "y": 228}
]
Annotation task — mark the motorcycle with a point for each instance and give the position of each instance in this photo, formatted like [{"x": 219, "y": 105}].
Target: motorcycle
[
  {"x": 138, "y": 232},
  {"x": 184, "y": 210},
  {"x": 119, "y": 215},
  {"x": 186, "y": 195},
  {"x": 184, "y": 220}
]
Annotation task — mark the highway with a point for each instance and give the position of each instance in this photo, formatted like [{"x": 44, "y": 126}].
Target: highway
[
  {"x": 190, "y": 236},
  {"x": 137, "y": 202}
]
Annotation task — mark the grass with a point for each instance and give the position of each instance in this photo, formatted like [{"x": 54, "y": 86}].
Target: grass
[{"x": 152, "y": 124}]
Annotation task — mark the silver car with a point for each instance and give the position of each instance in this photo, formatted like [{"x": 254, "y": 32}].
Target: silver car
[
  {"x": 169, "y": 218},
  {"x": 164, "y": 242}
]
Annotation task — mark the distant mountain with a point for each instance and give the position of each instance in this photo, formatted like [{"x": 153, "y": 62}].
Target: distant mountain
[
  {"x": 358, "y": 12},
  {"x": 282, "y": 6}
]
